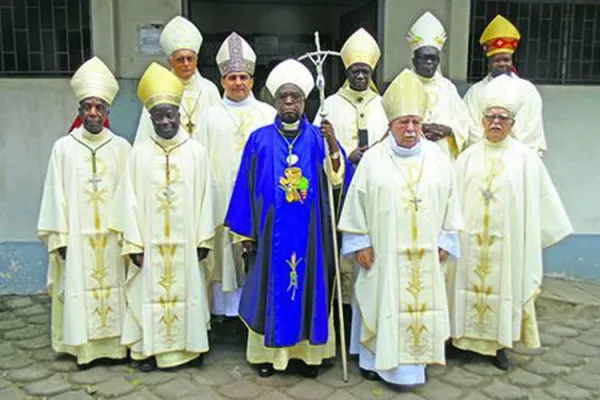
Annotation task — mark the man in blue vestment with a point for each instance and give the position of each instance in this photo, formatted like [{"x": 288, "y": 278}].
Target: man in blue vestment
[{"x": 280, "y": 211}]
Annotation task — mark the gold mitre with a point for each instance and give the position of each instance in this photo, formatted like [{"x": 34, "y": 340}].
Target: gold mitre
[
  {"x": 94, "y": 79},
  {"x": 500, "y": 36},
  {"x": 159, "y": 86},
  {"x": 405, "y": 96},
  {"x": 360, "y": 48},
  {"x": 180, "y": 34}
]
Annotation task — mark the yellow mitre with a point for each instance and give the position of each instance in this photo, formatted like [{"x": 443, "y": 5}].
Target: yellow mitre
[
  {"x": 180, "y": 34},
  {"x": 500, "y": 36},
  {"x": 405, "y": 96},
  {"x": 94, "y": 79},
  {"x": 360, "y": 48},
  {"x": 159, "y": 86}
]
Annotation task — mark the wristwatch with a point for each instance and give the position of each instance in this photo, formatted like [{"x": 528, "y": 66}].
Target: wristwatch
[{"x": 335, "y": 155}]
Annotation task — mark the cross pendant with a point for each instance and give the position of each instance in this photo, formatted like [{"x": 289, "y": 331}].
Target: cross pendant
[
  {"x": 190, "y": 126},
  {"x": 488, "y": 195},
  {"x": 95, "y": 180},
  {"x": 415, "y": 201},
  {"x": 168, "y": 193}
]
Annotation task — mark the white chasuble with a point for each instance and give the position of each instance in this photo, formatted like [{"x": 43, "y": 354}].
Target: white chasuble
[
  {"x": 167, "y": 201},
  {"x": 199, "y": 94},
  {"x": 83, "y": 174},
  {"x": 348, "y": 111},
  {"x": 444, "y": 106},
  {"x": 529, "y": 126},
  {"x": 402, "y": 204},
  {"x": 511, "y": 211},
  {"x": 223, "y": 131}
]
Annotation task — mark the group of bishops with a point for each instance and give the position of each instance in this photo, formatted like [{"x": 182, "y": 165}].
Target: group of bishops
[{"x": 230, "y": 206}]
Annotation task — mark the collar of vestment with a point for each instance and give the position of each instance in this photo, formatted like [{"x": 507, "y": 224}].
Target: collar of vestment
[
  {"x": 83, "y": 134},
  {"x": 360, "y": 101},
  {"x": 294, "y": 127},
  {"x": 489, "y": 78},
  {"x": 247, "y": 102},
  {"x": 403, "y": 151},
  {"x": 175, "y": 141},
  {"x": 192, "y": 81},
  {"x": 497, "y": 145},
  {"x": 356, "y": 98}
]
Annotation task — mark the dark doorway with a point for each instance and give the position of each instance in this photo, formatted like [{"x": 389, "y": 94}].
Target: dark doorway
[{"x": 280, "y": 29}]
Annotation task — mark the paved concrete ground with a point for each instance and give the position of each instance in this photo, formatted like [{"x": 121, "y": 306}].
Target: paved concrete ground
[{"x": 568, "y": 367}]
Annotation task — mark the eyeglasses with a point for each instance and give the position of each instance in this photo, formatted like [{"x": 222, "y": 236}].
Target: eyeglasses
[{"x": 500, "y": 117}]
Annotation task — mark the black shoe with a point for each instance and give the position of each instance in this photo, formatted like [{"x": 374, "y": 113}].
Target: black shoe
[
  {"x": 84, "y": 367},
  {"x": 197, "y": 362},
  {"x": 501, "y": 360},
  {"x": 451, "y": 351},
  {"x": 265, "y": 370},
  {"x": 369, "y": 375},
  {"x": 309, "y": 371},
  {"x": 147, "y": 365}
]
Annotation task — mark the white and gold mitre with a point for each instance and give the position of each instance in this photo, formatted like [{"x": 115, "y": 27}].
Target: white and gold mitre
[
  {"x": 236, "y": 55},
  {"x": 503, "y": 92},
  {"x": 405, "y": 96},
  {"x": 360, "y": 48},
  {"x": 180, "y": 34},
  {"x": 427, "y": 31},
  {"x": 159, "y": 86},
  {"x": 290, "y": 71},
  {"x": 94, "y": 79}
]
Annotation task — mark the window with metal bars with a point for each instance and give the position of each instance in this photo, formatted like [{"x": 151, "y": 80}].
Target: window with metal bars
[
  {"x": 560, "y": 39},
  {"x": 43, "y": 37}
]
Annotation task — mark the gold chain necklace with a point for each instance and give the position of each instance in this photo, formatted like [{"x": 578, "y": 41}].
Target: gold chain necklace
[
  {"x": 190, "y": 126},
  {"x": 488, "y": 193},
  {"x": 415, "y": 200}
]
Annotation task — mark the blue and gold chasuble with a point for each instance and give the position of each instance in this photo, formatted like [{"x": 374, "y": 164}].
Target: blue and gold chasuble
[{"x": 280, "y": 201}]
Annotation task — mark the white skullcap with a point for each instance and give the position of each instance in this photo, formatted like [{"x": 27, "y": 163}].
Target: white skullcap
[
  {"x": 236, "y": 55},
  {"x": 290, "y": 71},
  {"x": 502, "y": 91},
  {"x": 427, "y": 31},
  {"x": 180, "y": 34}
]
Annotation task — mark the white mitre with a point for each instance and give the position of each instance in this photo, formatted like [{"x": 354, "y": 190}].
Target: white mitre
[
  {"x": 180, "y": 34},
  {"x": 503, "y": 92},
  {"x": 290, "y": 71},
  {"x": 236, "y": 55},
  {"x": 94, "y": 79},
  {"x": 427, "y": 31}
]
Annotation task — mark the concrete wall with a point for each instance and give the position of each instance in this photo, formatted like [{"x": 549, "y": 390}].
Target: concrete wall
[{"x": 38, "y": 111}]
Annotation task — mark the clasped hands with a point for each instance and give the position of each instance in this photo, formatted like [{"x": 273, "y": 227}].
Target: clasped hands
[
  {"x": 435, "y": 132},
  {"x": 366, "y": 257},
  {"x": 138, "y": 258}
]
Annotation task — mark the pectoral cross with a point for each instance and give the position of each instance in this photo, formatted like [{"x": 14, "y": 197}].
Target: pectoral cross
[
  {"x": 415, "y": 201},
  {"x": 488, "y": 196},
  {"x": 168, "y": 193},
  {"x": 95, "y": 180},
  {"x": 190, "y": 126}
]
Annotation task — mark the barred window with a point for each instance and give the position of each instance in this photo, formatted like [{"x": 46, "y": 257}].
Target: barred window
[
  {"x": 43, "y": 37},
  {"x": 560, "y": 39}
]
